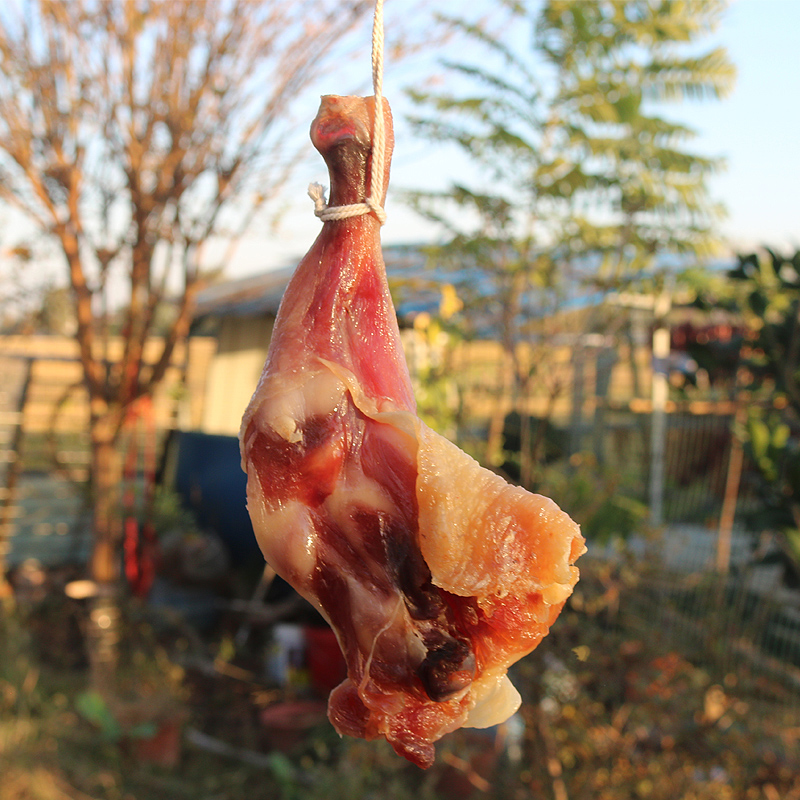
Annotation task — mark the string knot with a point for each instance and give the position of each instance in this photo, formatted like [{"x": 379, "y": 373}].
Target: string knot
[
  {"x": 326, "y": 212},
  {"x": 373, "y": 203}
]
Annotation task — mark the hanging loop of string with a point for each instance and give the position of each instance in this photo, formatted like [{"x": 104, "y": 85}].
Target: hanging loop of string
[{"x": 373, "y": 203}]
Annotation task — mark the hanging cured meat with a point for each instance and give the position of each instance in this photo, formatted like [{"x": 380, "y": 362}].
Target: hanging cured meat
[{"x": 434, "y": 573}]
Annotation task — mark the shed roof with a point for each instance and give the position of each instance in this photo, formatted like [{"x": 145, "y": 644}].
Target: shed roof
[
  {"x": 260, "y": 295},
  {"x": 254, "y": 296}
]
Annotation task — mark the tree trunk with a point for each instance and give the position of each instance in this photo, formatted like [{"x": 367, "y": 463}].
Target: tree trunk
[
  {"x": 106, "y": 475},
  {"x": 494, "y": 440},
  {"x": 536, "y": 446},
  {"x": 526, "y": 454},
  {"x": 509, "y": 370}
]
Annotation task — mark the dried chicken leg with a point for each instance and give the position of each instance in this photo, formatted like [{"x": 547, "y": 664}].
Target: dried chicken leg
[{"x": 434, "y": 573}]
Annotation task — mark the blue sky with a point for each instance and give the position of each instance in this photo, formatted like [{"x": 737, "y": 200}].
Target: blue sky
[{"x": 756, "y": 129}]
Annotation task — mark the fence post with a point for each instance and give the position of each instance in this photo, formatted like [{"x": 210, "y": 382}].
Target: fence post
[
  {"x": 732, "y": 483},
  {"x": 576, "y": 414},
  {"x": 658, "y": 418}
]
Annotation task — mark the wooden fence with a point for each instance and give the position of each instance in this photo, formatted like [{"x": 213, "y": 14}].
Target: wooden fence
[{"x": 44, "y": 418}]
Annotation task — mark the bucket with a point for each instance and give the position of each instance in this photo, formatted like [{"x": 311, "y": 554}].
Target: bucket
[{"x": 326, "y": 664}]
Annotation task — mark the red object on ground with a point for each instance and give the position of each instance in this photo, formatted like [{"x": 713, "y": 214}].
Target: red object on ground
[
  {"x": 287, "y": 724},
  {"x": 139, "y": 542},
  {"x": 164, "y": 748},
  {"x": 326, "y": 665},
  {"x": 434, "y": 572}
]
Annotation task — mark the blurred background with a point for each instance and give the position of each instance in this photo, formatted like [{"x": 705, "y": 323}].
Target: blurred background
[{"x": 592, "y": 244}]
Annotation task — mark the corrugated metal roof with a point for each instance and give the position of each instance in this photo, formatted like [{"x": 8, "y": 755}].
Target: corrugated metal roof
[
  {"x": 260, "y": 295},
  {"x": 416, "y": 284}
]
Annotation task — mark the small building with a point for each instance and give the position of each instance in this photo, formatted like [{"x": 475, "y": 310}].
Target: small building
[{"x": 240, "y": 315}]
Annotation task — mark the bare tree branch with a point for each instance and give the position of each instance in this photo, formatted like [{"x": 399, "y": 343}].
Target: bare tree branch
[
  {"x": 128, "y": 128},
  {"x": 130, "y": 133}
]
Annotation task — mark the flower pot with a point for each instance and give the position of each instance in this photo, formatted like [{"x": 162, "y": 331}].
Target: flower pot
[
  {"x": 163, "y": 748},
  {"x": 286, "y": 725}
]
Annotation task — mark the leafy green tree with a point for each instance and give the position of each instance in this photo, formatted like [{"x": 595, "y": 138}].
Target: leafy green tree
[
  {"x": 584, "y": 178},
  {"x": 619, "y": 173}
]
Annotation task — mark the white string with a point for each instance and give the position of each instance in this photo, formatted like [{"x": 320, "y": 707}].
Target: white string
[{"x": 373, "y": 201}]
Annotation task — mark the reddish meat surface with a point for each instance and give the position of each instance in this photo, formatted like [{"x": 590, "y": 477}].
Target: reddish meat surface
[{"x": 434, "y": 573}]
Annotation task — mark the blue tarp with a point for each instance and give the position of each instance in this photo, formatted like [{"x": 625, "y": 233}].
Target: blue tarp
[{"x": 210, "y": 480}]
